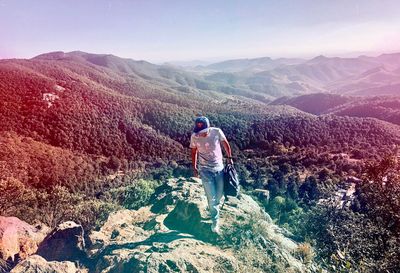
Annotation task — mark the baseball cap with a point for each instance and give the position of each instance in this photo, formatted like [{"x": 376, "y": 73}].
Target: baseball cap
[{"x": 201, "y": 123}]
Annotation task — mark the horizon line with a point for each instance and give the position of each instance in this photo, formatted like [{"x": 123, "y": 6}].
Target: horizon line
[{"x": 210, "y": 60}]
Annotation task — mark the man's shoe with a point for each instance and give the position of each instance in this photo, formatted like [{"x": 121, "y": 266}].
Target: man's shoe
[{"x": 215, "y": 228}]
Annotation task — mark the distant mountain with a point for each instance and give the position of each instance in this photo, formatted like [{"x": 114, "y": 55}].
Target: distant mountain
[
  {"x": 392, "y": 60},
  {"x": 261, "y": 79},
  {"x": 188, "y": 64},
  {"x": 165, "y": 75},
  {"x": 120, "y": 65},
  {"x": 385, "y": 108},
  {"x": 254, "y": 65},
  {"x": 363, "y": 75},
  {"x": 325, "y": 70},
  {"x": 384, "y": 90},
  {"x": 376, "y": 81}
]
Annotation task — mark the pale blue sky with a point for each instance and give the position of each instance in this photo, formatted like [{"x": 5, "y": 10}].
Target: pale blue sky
[{"x": 174, "y": 30}]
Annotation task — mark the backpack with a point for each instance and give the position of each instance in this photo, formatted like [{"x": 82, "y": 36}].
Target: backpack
[{"x": 231, "y": 181}]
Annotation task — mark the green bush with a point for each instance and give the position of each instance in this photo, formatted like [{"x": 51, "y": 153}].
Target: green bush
[
  {"x": 18, "y": 200},
  {"x": 58, "y": 205},
  {"x": 92, "y": 214},
  {"x": 61, "y": 205},
  {"x": 52, "y": 207},
  {"x": 136, "y": 195},
  {"x": 364, "y": 236}
]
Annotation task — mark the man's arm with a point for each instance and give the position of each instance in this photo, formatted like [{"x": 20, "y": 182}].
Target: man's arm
[
  {"x": 194, "y": 162},
  {"x": 228, "y": 150}
]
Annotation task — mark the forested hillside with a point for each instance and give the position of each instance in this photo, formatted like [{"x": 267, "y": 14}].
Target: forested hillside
[{"x": 94, "y": 111}]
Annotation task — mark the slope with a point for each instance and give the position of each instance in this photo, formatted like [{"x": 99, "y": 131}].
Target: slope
[{"x": 94, "y": 111}]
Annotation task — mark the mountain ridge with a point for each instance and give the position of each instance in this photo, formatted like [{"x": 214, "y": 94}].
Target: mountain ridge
[{"x": 263, "y": 79}]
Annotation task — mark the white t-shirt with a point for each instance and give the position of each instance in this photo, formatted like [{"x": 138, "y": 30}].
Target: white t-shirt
[{"x": 209, "y": 149}]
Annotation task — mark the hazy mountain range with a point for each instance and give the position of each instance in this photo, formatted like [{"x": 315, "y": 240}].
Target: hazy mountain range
[
  {"x": 263, "y": 79},
  {"x": 274, "y": 78}
]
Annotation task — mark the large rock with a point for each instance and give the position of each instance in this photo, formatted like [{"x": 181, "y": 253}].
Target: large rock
[
  {"x": 169, "y": 253},
  {"x": 65, "y": 243},
  {"x": 174, "y": 235},
  {"x": 37, "y": 264},
  {"x": 189, "y": 215},
  {"x": 122, "y": 228},
  {"x": 138, "y": 241},
  {"x": 18, "y": 239},
  {"x": 189, "y": 211}
]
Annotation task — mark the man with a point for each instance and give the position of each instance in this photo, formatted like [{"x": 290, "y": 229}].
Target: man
[{"x": 205, "y": 143}]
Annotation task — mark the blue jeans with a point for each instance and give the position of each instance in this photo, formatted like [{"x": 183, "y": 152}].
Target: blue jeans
[{"x": 213, "y": 183}]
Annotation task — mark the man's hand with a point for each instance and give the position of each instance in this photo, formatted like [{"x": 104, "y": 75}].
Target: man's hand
[
  {"x": 195, "y": 172},
  {"x": 228, "y": 151}
]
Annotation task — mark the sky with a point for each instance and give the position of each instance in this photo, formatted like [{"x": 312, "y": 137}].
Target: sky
[{"x": 184, "y": 30}]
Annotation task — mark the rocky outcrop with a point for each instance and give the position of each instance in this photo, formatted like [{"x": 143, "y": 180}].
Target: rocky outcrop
[
  {"x": 37, "y": 264},
  {"x": 18, "y": 239},
  {"x": 138, "y": 241},
  {"x": 65, "y": 243},
  {"x": 174, "y": 235}
]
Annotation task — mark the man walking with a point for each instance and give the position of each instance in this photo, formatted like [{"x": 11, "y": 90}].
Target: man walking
[{"x": 205, "y": 143}]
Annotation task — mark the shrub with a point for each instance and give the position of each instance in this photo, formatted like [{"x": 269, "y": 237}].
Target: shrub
[
  {"x": 364, "y": 237},
  {"x": 52, "y": 207},
  {"x": 305, "y": 253},
  {"x": 58, "y": 205},
  {"x": 136, "y": 195},
  {"x": 249, "y": 240},
  {"x": 92, "y": 214},
  {"x": 17, "y": 199}
]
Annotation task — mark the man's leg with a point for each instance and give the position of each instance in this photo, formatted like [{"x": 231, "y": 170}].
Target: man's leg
[
  {"x": 219, "y": 186},
  {"x": 207, "y": 180},
  {"x": 217, "y": 192}
]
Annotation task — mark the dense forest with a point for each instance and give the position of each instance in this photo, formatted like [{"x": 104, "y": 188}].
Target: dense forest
[{"x": 82, "y": 138}]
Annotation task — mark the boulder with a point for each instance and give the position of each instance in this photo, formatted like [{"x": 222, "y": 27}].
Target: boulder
[
  {"x": 65, "y": 243},
  {"x": 122, "y": 227},
  {"x": 189, "y": 215},
  {"x": 169, "y": 253},
  {"x": 37, "y": 264},
  {"x": 186, "y": 210},
  {"x": 18, "y": 239},
  {"x": 139, "y": 241}
]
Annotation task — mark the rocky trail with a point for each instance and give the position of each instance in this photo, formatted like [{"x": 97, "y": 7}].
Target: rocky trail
[{"x": 173, "y": 234}]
